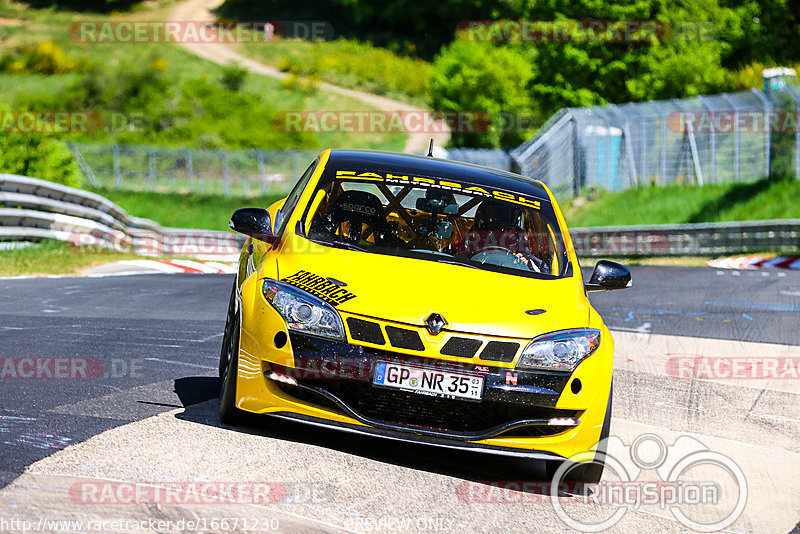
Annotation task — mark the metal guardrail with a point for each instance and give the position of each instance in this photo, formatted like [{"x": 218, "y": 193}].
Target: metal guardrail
[
  {"x": 706, "y": 239},
  {"x": 33, "y": 209}
]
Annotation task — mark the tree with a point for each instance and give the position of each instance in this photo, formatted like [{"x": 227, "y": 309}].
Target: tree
[{"x": 472, "y": 76}]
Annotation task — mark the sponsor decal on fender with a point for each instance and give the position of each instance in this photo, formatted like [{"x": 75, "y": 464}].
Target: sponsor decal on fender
[
  {"x": 319, "y": 286},
  {"x": 397, "y": 179}
]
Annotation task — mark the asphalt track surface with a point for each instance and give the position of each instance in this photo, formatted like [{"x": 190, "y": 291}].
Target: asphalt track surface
[
  {"x": 151, "y": 345},
  {"x": 759, "y": 305}
]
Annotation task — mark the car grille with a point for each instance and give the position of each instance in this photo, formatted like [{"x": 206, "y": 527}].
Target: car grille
[
  {"x": 427, "y": 412},
  {"x": 463, "y": 347},
  {"x": 367, "y": 331},
  {"x": 499, "y": 351},
  {"x": 404, "y": 339}
]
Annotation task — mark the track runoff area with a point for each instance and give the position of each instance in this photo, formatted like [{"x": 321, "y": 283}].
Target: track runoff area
[{"x": 108, "y": 422}]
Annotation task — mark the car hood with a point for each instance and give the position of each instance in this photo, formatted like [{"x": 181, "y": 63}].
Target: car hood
[{"x": 408, "y": 290}]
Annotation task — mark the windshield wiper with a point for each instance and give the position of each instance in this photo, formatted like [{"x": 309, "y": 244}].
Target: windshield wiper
[
  {"x": 456, "y": 262},
  {"x": 443, "y": 257},
  {"x": 343, "y": 244}
]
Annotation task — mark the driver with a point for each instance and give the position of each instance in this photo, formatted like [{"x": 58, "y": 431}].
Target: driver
[{"x": 499, "y": 224}]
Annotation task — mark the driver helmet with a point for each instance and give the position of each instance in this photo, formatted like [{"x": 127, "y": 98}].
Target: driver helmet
[{"x": 499, "y": 223}]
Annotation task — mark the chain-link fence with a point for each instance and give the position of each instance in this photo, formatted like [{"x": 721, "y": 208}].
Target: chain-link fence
[
  {"x": 229, "y": 172},
  {"x": 737, "y": 137},
  {"x": 706, "y": 139}
]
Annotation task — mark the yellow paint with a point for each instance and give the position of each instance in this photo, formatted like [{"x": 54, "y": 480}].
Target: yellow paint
[{"x": 401, "y": 291}]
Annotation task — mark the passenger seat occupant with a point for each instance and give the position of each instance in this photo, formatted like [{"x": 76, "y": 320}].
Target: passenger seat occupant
[{"x": 364, "y": 216}]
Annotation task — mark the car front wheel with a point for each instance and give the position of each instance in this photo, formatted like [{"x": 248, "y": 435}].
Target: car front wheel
[
  {"x": 229, "y": 414},
  {"x": 589, "y": 472}
]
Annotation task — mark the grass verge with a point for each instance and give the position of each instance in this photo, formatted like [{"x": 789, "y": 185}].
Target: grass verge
[
  {"x": 348, "y": 63},
  {"x": 765, "y": 199},
  {"x": 55, "y": 257},
  {"x": 194, "y": 110},
  {"x": 207, "y": 212}
]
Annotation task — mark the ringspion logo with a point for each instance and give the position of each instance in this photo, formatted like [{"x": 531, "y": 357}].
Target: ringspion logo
[{"x": 691, "y": 479}]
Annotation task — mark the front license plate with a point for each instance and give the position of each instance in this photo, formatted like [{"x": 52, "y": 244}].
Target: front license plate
[{"x": 437, "y": 382}]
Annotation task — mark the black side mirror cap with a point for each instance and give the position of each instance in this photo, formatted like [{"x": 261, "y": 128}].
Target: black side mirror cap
[
  {"x": 608, "y": 275},
  {"x": 254, "y": 222}
]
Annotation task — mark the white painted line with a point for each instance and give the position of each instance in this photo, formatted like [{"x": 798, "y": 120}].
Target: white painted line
[
  {"x": 154, "y": 265},
  {"x": 209, "y": 338},
  {"x": 121, "y": 273},
  {"x": 181, "y": 363}
]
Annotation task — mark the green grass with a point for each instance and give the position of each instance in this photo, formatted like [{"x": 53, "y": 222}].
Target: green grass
[
  {"x": 55, "y": 257},
  {"x": 688, "y": 204},
  {"x": 207, "y": 212},
  {"x": 350, "y": 64},
  {"x": 181, "y": 65}
]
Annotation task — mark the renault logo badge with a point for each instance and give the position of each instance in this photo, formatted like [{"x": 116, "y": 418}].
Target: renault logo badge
[{"x": 435, "y": 323}]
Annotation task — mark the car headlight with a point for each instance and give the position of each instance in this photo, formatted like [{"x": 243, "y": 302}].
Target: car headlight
[
  {"x": 303, "y": 311},
  {"x": 561, "y": 350}
]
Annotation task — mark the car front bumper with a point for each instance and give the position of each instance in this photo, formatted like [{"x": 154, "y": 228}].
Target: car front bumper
[{"x": 522, "y": 413}]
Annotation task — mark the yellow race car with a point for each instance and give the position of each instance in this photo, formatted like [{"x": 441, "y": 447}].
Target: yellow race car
[{"x": 421, "y": 300}]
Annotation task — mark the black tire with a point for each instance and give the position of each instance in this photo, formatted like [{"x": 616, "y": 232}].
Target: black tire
[
  {"x": 229, "y": 414},
  {"x": 226, "y": 337},
  {"x": 590, "y": 472}
]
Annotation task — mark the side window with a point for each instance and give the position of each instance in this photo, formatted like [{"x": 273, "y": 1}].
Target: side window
[{"x": 291, "y": 201}]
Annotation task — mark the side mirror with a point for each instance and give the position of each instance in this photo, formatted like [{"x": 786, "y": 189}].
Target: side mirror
[
  {"x": 254, "y": 222},
  {"x": 608, "y": 275}
]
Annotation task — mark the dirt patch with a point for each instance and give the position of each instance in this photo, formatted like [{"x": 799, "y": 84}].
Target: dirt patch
[{"x": 8, "y": 21}]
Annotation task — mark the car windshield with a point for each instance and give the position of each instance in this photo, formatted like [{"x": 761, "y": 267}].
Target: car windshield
[{"x": 437, "y": 220}]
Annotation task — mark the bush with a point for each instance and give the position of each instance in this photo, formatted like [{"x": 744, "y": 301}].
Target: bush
[
  {"x": 45, "y": 57},
  {"x": 473, "y": 76},
  {"x": 147, "y": 104},
  {"x": 357, "y": 65},
  {"x": 233, "y": 77},
  {"x": 306, "y": 84},
  {"x": 39, "y": 156}
]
